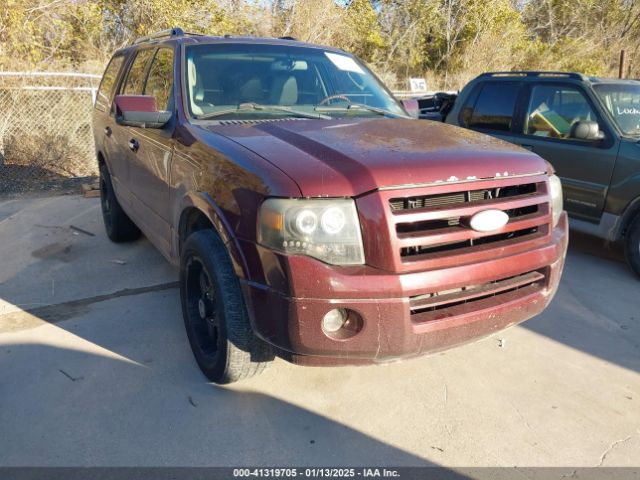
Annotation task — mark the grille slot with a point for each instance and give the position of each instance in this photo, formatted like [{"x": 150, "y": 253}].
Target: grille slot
[
  {"x": 445, "y": 304},
  {"x": 461, "y": 198},
  {"x": 471, "y": 244},
  {"x": 455, "y": 221}
]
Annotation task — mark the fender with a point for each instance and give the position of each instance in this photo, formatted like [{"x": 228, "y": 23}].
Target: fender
[
  {"x": 208, "y": 207},
  {"x": 611, "y": 227}
]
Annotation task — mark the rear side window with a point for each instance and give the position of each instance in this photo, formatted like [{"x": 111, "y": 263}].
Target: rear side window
[
  {"x": 160, "y": 78},
  {"x": 103, "y": 99},
  {"x": 137, "y": 73},
  {"x": 493, "y": 108}
]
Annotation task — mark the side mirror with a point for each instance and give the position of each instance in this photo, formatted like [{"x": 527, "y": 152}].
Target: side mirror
[
  {"x": 140, "y": 111},
  {"x": 411, "y": 106},
  {"x": 586, "y": 130},
  {"x": 466, "y": 115}
]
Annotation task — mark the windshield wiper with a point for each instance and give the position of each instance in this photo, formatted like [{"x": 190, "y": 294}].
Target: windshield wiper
[
  {"x": 258, "y": 107},
  {"x": 359, "y": 106},
  {"x": 362, "y": 106}
]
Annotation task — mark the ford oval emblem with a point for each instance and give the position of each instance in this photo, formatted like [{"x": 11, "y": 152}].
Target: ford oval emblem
[{"x": 489, "y": 220}]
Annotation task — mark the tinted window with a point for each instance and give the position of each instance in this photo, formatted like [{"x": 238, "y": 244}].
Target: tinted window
[
  {"x": 553, "y": 109},
  {"x": 494, "y": 107},
  {"x": 136, "y": 75},
  {"x": 161, "y": 78},
  {"x": 103, "y": 98}
]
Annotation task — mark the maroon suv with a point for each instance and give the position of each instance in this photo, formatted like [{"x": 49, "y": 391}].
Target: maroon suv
[{"x": 311, "y": 217}]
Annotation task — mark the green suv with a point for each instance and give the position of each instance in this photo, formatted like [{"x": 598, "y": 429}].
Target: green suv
[{"x": 587, "y": 128}]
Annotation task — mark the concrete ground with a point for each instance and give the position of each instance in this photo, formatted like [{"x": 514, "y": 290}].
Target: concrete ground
[{"x": 107, "y": 378}]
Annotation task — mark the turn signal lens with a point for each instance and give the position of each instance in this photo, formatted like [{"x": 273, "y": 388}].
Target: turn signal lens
[{"x": 555, "y": 191}]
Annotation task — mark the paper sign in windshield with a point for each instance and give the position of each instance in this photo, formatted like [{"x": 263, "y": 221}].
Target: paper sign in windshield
[{"x": 343, "y": 62}]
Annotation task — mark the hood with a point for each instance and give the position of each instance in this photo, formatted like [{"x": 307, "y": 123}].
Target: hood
[{"x": 349, "y": 157}]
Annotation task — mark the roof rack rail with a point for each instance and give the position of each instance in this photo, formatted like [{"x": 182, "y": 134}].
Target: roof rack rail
[
  {"x": 577, "y": 76},
  {"x": 170, "y": 32},
  {"x": 287, "y": 37}
]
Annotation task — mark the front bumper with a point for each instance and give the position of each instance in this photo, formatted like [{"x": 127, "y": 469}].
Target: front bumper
[{"x": 292, "y": 323}]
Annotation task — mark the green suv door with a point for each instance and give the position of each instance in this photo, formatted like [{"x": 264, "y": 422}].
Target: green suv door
[
  {"x": 542, "y": 117},
  {"x": 585, "y": 166}
]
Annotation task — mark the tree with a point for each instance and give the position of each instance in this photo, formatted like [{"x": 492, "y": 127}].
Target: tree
[{"x": 447, "y": 41}]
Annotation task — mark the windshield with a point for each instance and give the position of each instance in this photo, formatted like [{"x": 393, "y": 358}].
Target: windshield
[
  {"x": 623, "y": 102},
  {"x": 222, "y": 79}
]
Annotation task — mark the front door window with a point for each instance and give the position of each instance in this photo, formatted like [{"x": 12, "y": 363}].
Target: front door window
[{"x": 554, "y": 110}]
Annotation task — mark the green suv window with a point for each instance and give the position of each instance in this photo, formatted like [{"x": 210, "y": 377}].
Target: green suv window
[
  {"x": 623, "y": 102},
  {"x": 492, "y": 108},
  {"x": 553, "y": 109}
]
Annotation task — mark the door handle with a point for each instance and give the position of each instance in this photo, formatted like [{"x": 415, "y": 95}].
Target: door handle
[
  {"x": 528, "y": 147},
  {"x": 107, "y": 131},
  {"x": 134, "y": 145}
]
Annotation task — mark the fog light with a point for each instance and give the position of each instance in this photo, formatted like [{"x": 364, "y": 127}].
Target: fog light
[{"x": 334, "y": 320}]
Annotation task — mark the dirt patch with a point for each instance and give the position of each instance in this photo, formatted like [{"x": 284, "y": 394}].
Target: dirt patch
[
  {"x": 61, "y": 251},
  {"x": 29, "y": 180}
]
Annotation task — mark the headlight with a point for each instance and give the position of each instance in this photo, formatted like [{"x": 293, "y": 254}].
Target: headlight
[
  {"x": 326, "y": 229},
  {"x": 555, "y": 191}
]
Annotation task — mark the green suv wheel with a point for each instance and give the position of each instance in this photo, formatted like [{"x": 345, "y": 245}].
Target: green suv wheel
[{"x": 632, "y": 245}]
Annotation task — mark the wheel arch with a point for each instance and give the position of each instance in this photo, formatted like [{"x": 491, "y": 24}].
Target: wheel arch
[
  {"x": 199, "y": 211},
  {"x": 102, "y": 161},
  {"x": 631, "y": 211}
]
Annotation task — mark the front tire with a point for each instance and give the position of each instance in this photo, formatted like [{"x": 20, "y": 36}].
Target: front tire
[
  {"x": 632, "y": 244},
  {"x": 215, "y": 315},
  {"x": 118, "y": 225}
]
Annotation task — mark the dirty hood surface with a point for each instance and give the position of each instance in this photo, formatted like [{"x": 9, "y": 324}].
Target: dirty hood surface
[{"x": 351, "y": 156}]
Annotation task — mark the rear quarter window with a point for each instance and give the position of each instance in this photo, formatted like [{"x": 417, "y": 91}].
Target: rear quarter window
[
  {"x": 103, "y": 99},
  {"x": 493, "y": 107}
]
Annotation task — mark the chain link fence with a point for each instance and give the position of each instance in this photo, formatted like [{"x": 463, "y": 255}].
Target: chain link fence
[{"x": 46, "y": 142}]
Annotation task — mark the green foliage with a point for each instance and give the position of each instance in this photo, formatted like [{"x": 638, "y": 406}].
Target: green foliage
[{"x": 364, "y": 35}]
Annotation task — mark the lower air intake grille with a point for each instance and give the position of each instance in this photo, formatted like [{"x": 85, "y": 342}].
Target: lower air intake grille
[{"x": 449, "y": 303}]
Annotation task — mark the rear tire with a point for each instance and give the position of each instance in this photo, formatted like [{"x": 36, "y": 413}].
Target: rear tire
[
  {"x": 632, "y": 245},
  {"x": 215, "y": 315},
  {"x": 118, "y": 225}
]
